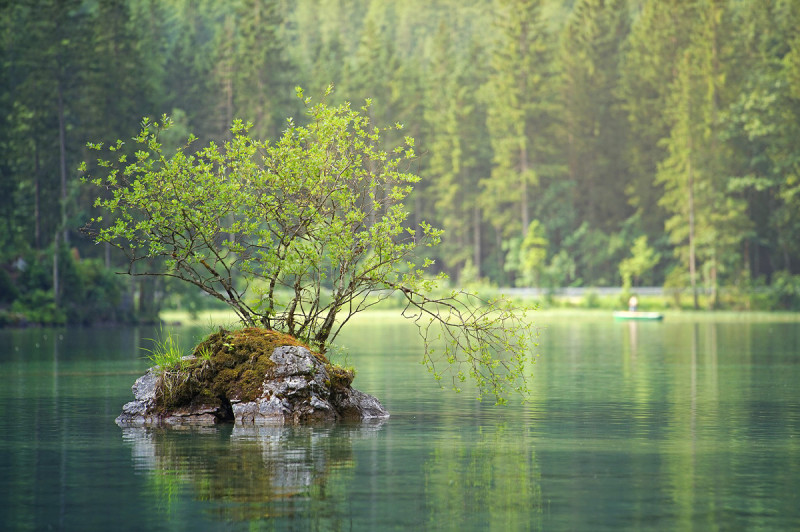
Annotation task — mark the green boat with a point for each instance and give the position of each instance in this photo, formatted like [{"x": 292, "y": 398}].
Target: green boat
[{"x": 636, "y": 315}]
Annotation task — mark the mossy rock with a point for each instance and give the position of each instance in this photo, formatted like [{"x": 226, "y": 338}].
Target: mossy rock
[
  {"x": 232, "y": 366},
  {"x": 250, "y": 376}
]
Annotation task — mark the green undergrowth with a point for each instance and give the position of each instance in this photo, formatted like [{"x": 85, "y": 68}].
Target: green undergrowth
[{"x": 231, "y": 366}]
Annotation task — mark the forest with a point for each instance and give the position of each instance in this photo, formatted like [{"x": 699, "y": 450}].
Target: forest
[{"x": 585, "y": 143}]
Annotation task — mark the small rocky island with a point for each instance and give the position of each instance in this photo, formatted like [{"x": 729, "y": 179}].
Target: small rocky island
[{"x": 252, "y": 376}]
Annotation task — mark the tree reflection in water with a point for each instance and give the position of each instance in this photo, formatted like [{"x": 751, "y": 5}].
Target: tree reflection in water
[
  {"x": 249, "y": 472},
  {"x": 489, "y": 479}
]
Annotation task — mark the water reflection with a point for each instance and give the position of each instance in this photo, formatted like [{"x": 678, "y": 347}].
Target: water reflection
[
  {"x": 486, "y": 479},
  {"x": 670, "y": 426},
  {"x": 250, "y": 472}
]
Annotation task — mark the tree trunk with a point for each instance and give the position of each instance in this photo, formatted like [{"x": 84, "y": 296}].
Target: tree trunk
[
  {"x": 476, "y": 235},
  {"x": 692, "y": 258},
  {"x": 713, "y": 280},
  {"x": 62, "y": 148},
  {"x": 56, "y": 283},
  {"x": 37, "y": 223},
  {"x": 690, "y": 185},
  {"x": 498, "y": 235},
  {"x": 523, "y": 168}
]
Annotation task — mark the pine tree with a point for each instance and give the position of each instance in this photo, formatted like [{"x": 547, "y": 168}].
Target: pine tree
[
  {"x": 521, "y": 116},
  {"x": 707, "y": 223},
  {"x": 263, "y": 81},
  {"x": 647, "y": 70},
  {"x": 596, "y": 133},
  {"x": 457, "y": 151}
]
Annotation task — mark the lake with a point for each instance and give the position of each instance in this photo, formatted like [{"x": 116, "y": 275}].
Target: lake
[{"x": 677, "y": 425}]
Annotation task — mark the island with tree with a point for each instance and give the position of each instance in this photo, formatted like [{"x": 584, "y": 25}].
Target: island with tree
[{"x": 296, "y": 236}]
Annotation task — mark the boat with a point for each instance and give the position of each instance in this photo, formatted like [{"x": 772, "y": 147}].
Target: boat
[{"x": 636, "y": 315}]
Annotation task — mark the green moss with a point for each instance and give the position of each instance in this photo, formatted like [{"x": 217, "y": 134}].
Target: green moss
[
  {"x": 231, "y": 365},
  {"x": 340, "y": 378}
]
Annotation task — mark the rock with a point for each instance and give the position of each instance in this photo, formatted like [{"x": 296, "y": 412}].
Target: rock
[
  {"x": 138, "y": 411},
  {"x": 297, "y": 388},
  {"x": 353, "y": 404}
]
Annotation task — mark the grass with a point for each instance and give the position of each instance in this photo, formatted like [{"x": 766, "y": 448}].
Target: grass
[{"x": 166, "y": 352}]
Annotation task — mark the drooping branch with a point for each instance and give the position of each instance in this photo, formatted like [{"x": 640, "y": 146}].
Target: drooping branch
[{"x": 489, "y": 341}]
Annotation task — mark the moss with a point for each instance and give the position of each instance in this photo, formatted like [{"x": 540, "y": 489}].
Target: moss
[
  {"x": 185, "y": 388},
  {"x": 340, "y": 378},
  {"x": 231, "y": 365}
]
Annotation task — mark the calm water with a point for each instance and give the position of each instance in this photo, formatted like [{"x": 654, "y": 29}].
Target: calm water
[{"x": 648, "y": 426}]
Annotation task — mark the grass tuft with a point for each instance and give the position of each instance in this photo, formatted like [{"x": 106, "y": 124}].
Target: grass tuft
[{"x": 166, "y": 352}]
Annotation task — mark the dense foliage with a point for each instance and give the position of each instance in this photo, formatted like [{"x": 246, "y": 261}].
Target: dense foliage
[{"x": 586, "y": 142}]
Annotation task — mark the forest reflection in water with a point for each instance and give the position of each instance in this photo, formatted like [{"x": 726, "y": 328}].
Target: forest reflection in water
[{"x": 673, "y": 426}]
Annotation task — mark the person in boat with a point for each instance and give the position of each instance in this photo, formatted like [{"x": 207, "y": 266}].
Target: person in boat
[{"x": 633, "y": 304}]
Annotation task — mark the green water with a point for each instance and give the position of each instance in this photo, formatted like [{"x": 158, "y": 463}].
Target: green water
[{"x": 637, "y": 426}]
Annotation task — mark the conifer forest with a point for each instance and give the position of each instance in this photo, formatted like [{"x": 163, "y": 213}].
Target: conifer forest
[{"x": 586, "y": 143}]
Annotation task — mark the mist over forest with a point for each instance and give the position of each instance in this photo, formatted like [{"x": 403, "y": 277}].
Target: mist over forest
[{"x": 562, "y": 143}]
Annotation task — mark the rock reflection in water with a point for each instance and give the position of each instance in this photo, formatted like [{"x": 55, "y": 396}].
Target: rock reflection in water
[{"x": 253, "y": 472}]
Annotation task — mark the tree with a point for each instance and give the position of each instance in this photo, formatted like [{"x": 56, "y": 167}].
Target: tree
[
  {"x": 520, "y": 115},
  {"x": 595, "y": 124},
  {"x": 261, "y": 86},
  {"x": 761, "y": 125},
  {"x": 527, "y": 256},
  {"x": 458, "y": 157},
  {"x": 643, "y": 258},
  {"x": 302, "y": 234},
  {"x": 596, "y": 133},
  {"x": 707, "y": 224},
  {"x": 657, "y": 37},
  {"x": 190, "y": 60}
]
